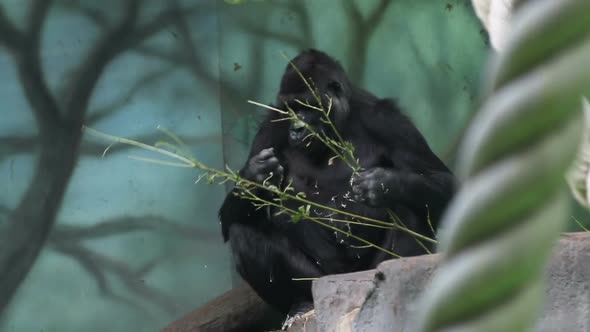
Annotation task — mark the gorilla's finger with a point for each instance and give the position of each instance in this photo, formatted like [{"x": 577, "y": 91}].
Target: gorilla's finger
[
  {"x": 368, "y": 172},
  {"x": 274, "y": 161},
  {"x": 358, "y": 179},
  {"x": 268, "y": 165},
  {"x": 372, "y": 196},
  {"x": 372, "y": 184},
  {"x": 356, "y": 189},
  {"x": 265, "y": 154},
  {"x": 358, "y": 198}
]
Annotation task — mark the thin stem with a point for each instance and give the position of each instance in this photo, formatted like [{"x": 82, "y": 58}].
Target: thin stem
[
  {"x": 319, "y": 222},
  {"x": 313, "y": 91},
  {"x": 161, "y": 162},
  {"x": 243, "y": 183},
  {"x": 327, "y": 120},
  {"x": 331, "y": 145},
  {"x": 404, "y": 225},
  {"x": 336, "y": 229},
  {"x": 328, "y": 208},
  {"x": 353, "y": 222},
  {"x": 138, "y": 144}
]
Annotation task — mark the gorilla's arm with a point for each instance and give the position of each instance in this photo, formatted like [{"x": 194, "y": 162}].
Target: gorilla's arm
[
  {"x": 262, "y": 160},
  {"x": 264, "y": 255},
  {"x": 417, "y": 176}
]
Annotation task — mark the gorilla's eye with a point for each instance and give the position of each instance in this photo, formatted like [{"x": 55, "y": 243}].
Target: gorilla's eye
[{"x": 334, "y": 86}]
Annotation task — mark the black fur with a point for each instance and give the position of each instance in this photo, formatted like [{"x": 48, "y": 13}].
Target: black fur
[{"x": 401, "y": 173}]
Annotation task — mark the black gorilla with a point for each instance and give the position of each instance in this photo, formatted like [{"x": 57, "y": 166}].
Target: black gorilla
[{"x": 400, "y": 173}]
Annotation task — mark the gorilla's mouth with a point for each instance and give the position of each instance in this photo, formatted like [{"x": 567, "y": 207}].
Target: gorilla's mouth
[{"x": 298, "y": 131}]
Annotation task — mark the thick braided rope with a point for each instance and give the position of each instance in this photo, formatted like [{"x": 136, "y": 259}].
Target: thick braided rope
[{"x": 500, "y": 229}]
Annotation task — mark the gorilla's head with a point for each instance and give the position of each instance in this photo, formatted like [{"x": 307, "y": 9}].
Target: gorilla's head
[{"x": 327, "y": 76}]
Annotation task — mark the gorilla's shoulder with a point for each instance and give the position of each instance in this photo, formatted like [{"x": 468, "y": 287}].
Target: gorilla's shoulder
[{"x": 386, "y": 105}]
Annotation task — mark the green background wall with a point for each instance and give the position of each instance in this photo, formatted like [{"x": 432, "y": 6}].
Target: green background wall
[{"x": 136, "y": 245}]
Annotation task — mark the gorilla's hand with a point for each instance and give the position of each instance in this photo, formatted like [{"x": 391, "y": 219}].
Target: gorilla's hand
[
  {"x": 264, "y": 166},
  {"x": 374, "y": 187}
]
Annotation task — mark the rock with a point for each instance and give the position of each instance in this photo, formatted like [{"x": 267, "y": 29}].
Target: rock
[
  {"x": 379, "y": 299},
  {"x": 305, "y": 323},
  {"x": 567, "y": 305},
  {"x": 338, "y": 295},
  {"x": 384, "y": 299}
]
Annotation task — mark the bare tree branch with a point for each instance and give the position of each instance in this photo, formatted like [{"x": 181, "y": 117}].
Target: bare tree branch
[
  {"x": 360, "y": 35},
  {"x": 377, "y": 15},
  {"x": 94, "y": 15},
  {"x": 104, "y": 112},
  {"x": 81, "y": 256},
  {"x": 255, "y": 29},
  {"x": 67, "y": 239},
  {"x": 43, "y": 104},
  {"x": 98, "y": 265},
  {"x": 306, "y": 23},
  {"x": 127, "y": 224},
  {"x": 187, "y": 56},
  {"x": 193, "y": 64},
  {"x": 38, "y": 13},
  {"x": 30, "y": 224},
  {"x": 10, "y": 145},
  {"x": 89, "y": 72},
  {"x": 353, "y": 11},
  {"x": 9, "y": 35},
  {"x": 4, "y": 210}
]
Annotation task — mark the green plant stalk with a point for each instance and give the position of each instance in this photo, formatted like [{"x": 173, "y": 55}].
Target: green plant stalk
[
  {"x": 355, "y": 164},
  {"x": 356, "y": 167},
  {"x": 242, "y": 183},
  {"x": 334, "y": 147},
  {"x": 321, "y": 109},
  {"x": 317, "y": 221},
  {"x": 339, "y": 147},
  {"x": 292, "y": 116}
]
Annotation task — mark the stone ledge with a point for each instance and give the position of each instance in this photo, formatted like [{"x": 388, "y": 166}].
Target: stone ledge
[{"x": 384, "y": 299}]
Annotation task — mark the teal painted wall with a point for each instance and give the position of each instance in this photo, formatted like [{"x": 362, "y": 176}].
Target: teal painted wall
[{"x": 136, "y": 245}]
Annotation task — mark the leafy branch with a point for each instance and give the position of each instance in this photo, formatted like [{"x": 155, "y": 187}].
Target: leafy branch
[
  {"x": 344, "y": 150},
  {"x": 183, "y": 159},
  {"x": 248, "y": 190},
  {"x": 341, "y": 148}
]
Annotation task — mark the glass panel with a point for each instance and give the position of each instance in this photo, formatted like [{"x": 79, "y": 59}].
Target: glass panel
[
  {"x": 426, "y": 54},
  {"x": 107, "y": 243},
  {"x": 91, "y": 240}
]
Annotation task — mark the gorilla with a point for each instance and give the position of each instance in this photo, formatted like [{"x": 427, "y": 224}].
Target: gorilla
[{"x": 400, "y": 173}]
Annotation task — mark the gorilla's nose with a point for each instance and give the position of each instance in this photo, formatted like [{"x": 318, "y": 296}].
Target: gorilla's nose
[
  {"x": 298, "y": 129},
  {"x": 298, "y": 125},
  {"x": 297, "y": 133}
]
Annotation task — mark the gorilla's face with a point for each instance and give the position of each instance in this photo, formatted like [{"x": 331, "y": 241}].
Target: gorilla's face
[
  {"x": 329, "y": 82},
  {"x": 301, "y": 133},
  {"x": 334, "y": 101}
]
